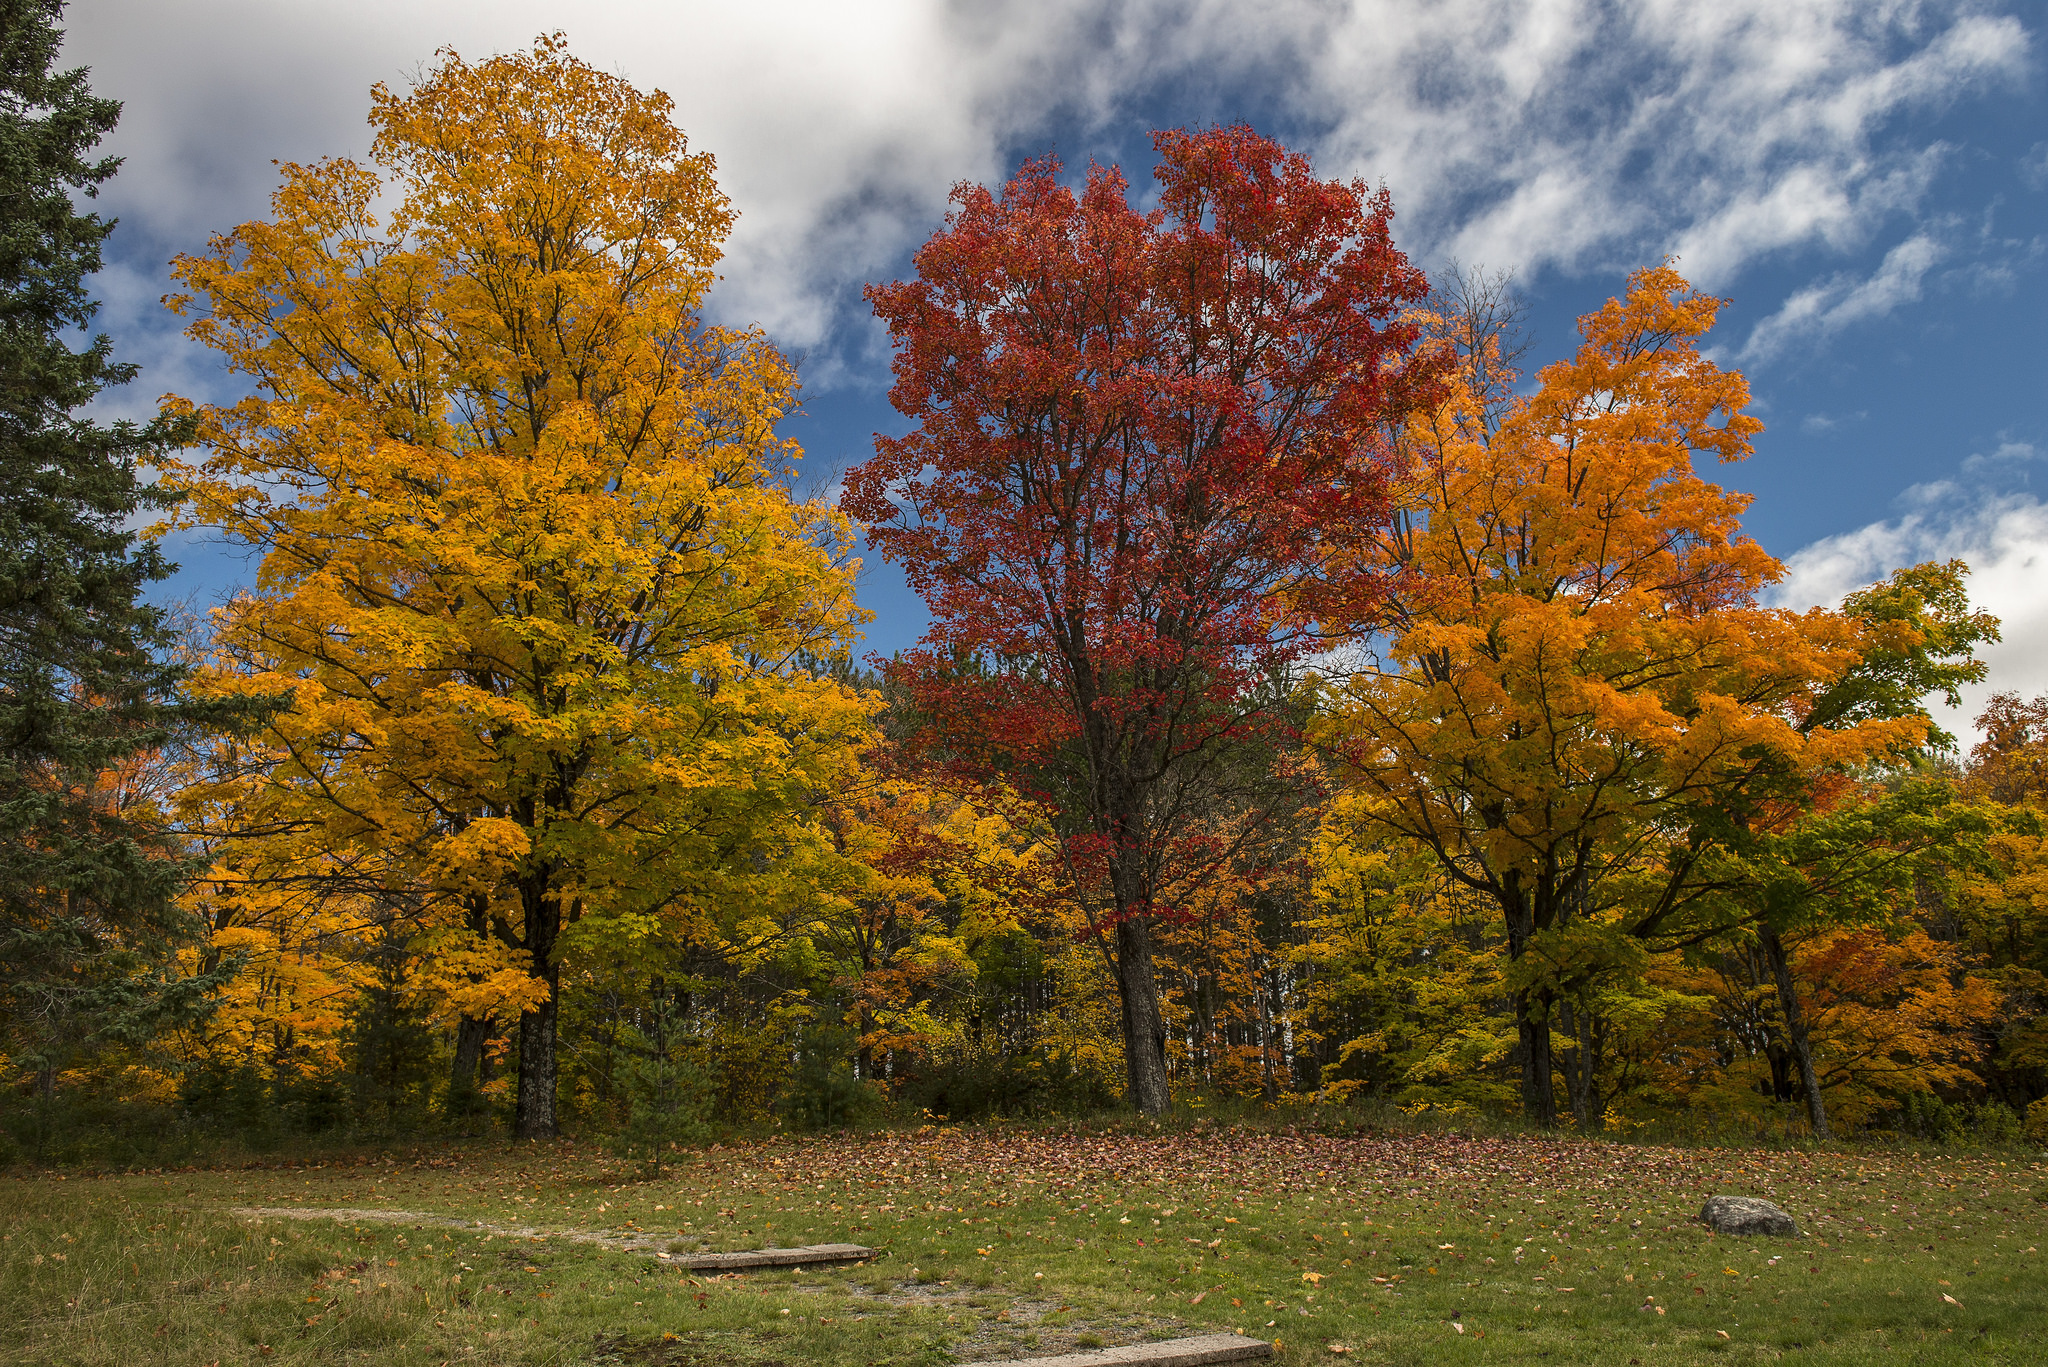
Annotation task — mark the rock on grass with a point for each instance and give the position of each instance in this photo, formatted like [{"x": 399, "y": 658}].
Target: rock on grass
[{"x": 1746, "y": 1215}]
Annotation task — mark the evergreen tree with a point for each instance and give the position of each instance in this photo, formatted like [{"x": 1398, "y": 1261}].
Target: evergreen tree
[{"x": 88, "y": 688}]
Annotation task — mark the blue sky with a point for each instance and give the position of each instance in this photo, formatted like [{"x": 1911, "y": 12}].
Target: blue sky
[{"x": 1865, "y": 180}]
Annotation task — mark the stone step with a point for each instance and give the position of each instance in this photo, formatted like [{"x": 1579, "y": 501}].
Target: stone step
[
  {"x": 808, "y": 1256},
  {"x": 1194, "y": 1352}
]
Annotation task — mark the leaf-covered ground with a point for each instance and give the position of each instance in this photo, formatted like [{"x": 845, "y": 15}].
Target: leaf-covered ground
[{"x": 1008, "y": 1242}]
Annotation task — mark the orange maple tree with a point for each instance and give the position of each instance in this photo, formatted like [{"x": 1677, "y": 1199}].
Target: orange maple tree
[{"x": 1576, "y": 663}]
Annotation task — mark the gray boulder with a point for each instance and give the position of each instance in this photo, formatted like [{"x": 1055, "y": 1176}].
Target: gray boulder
[{"x": 1745, "y": 1215}]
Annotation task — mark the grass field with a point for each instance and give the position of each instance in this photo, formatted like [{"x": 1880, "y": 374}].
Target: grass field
[{"x": 1008, "y": 1241}]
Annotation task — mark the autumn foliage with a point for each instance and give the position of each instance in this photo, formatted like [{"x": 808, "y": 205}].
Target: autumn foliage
[
  {"x": 1316, "y": 709},
  {"x": 1578, "y": 665},
  {"x": 531, "y": 572},
  {"x": 1143, "y": 443}
]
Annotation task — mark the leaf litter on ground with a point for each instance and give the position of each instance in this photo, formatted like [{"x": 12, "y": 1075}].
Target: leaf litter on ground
[{"x": 1004, "y": 1241}]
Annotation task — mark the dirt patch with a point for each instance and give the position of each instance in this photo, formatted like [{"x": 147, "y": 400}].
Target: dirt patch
[
  {"x": 652, "y": 1245},
  {"x": 995, "y": 1327},
  {"x": 985, "y": 1325},
  {"x": 1029, "y": 1329},
  {"x": 670, "y": 1351}
]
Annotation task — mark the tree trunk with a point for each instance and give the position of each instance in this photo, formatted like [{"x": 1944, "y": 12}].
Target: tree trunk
[
  {"x": 609, "y": 1059},
  {"x": 1580, "y": 1075},
  {"x": 534, "y": 1116},
  {"x": 1785, "y": 1083},
  {"x": 471, "y": 1034},
  {"x": 1144, "y": 1020},
  {"x": 1539, "y": 1092},
  {"x": 1795, "y": 1029},
  {"x": 1532, "y": 1011},
  {"x": 1262, "y": 1036}
]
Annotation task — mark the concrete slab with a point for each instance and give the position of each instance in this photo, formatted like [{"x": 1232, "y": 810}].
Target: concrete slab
[
  {"x": 811, "y": 1255},
  {"x": 1194, "y": 1352}
]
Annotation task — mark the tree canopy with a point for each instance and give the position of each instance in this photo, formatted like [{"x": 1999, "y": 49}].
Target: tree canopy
[
  {"x": 531, "y": 568},
  {"x": 1142, "y": 442},
  {"x": 1316, "y": 710}
]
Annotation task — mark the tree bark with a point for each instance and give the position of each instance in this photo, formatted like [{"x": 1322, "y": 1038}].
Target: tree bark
[
  {"x": 1795, "y": 1029},
  {"x": 471, "y": 1034},
  {"x": 1539, "y": 1091},
  {"x": 1144, "y": 1020},
  {"x": 534, "y": 1115},
  {"x": 1580, "y": 1076},
  {"x": 1532, "y": 1011}
]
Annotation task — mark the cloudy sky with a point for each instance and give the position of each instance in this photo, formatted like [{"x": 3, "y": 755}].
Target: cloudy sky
[{"x": 1866, "y": 180}]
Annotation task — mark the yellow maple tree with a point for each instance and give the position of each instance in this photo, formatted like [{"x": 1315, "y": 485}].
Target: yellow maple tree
[{"x": 533, "y": 576}]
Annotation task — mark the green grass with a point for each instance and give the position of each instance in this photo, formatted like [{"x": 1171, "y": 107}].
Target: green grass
[{"x": 1005, "y": 1241}]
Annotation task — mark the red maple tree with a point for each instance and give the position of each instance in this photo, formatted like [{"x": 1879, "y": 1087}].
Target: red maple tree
[{"x": 1144, "y": 445}]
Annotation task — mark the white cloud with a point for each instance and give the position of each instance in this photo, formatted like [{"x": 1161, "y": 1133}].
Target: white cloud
[
  {"x": 1822, "y": 309},
  {"x": 2002, "y": 461},
  {"x": 1513, "y": 132},
  {"x": 2004, "y": 540},
  {"x": 1718, "y": 132},
  {"x": 837, "y": 127},
  {"x": 2034, "y": 167}
]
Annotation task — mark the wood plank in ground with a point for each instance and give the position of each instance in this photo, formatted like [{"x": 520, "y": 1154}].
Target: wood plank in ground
[
  {"x": 807, "y": 1256},
  {"x": 1194, "y": 1352}
]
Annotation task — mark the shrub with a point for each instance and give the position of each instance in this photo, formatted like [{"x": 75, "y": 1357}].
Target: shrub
[
  {"x": 2037, "y": 1122},
  {"x": 823, "y": 1093}
]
